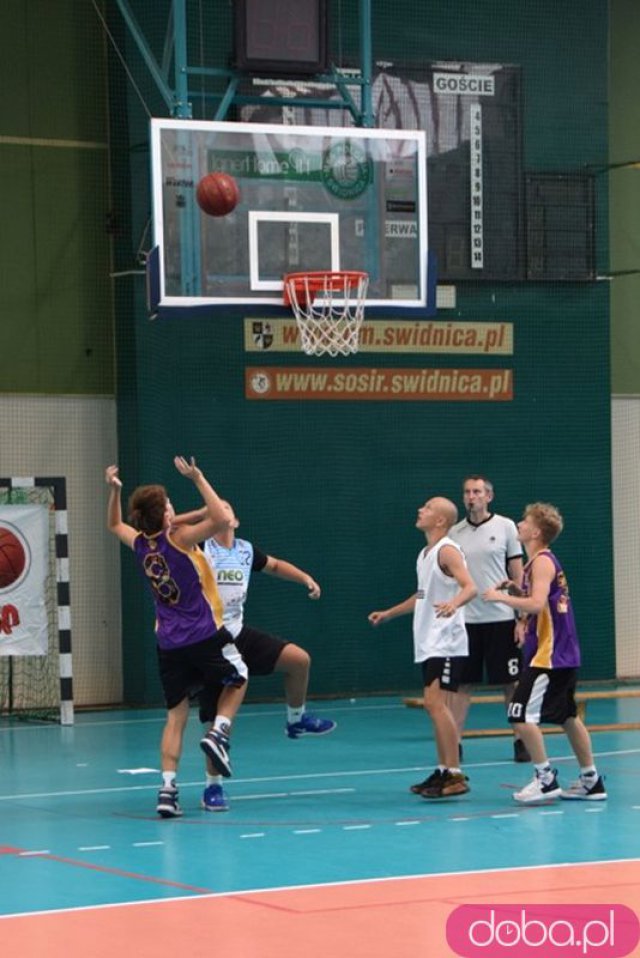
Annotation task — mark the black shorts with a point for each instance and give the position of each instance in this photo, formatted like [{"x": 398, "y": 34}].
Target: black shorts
[
  {"x": 260, "y": 652},
  {"x": 211, "y": 663},
  {"x": 448, "y": 670},
  {"x": 491, "y": 646},
  {"x": 544, "y": 696}
]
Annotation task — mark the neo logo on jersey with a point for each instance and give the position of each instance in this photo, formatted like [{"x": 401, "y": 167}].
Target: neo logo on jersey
[{"x": 230, "y": 575}]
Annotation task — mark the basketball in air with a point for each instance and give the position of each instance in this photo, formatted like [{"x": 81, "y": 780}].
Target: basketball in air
[
  {"x": 217, "y": 194},
  {"x": 12, "y": 558}
]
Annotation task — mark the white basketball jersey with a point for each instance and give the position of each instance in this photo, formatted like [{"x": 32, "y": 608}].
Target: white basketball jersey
[
  {"x": 434, "y": 637},
  {"x": 232, "y": 569}
]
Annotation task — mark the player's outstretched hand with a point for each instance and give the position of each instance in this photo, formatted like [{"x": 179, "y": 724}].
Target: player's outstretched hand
[
  {"x": 510, "y": 587},
  {"x": 187, "y": 468},
  {"x": 377, "y": 618},
  {"x": 493, "y": 595},
  {"x": 111, "y": 477},
  {"x": 314, "y": 588}
]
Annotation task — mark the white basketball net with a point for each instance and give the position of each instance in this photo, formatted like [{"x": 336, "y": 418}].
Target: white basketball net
[{"x": 329, "y": 309}]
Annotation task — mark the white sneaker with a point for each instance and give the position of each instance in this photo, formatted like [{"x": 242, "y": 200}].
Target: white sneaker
[
  {"x": 586, "y": 790},
  {"x": 536, "y": 791}
]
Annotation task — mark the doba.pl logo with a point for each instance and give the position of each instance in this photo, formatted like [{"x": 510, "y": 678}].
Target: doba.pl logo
[{"x": 543, "y": 931}]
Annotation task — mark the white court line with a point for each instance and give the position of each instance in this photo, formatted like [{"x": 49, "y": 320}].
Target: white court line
[
  {"x": 238, "y": 798},
  {"x": 162, "y": 718},
  {"x": 93, "y": 848},
  {"x": 322, "y": 791},
  {"x": 355, "y": 828},
  {"x": 253, "y": 835},
  {"x": 307, "y": 831},
  {"x": 145, "y": 844},
  {"x": 400, "y": 824},
  {"x": 237, "y": 893},
  {"x": 310, "y": 776}
]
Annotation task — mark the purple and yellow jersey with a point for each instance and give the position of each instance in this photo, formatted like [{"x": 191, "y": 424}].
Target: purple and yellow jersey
[
  {"x": 551, "y": 637},
  {"x": 188, "y": 606}
]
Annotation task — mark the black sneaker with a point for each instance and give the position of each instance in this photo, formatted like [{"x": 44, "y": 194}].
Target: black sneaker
[
  {"x": 167, "y": 806},
  {"x": 419, "y": 787},
  {"x": 448, "y": 785},
  {"x": 520, "y": 752},
  {"x": 586, "y": 789},
  {"x": 215, "y": 745}
]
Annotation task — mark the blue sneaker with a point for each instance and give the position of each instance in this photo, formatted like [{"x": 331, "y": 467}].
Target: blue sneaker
[
  {"x": 216, "y": 746},
  {"x": 309, "y": 725},
  {"x": 214, "y": 799}
]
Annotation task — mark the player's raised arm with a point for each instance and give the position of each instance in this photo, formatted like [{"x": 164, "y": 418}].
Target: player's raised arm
[
  {"x": 190, "y": 518},
  {"x": 217, "y": 516},
  {"x": 115, "y": 524}
]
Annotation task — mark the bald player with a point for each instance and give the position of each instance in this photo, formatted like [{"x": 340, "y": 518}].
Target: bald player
[{"x": 439, "y": 637}]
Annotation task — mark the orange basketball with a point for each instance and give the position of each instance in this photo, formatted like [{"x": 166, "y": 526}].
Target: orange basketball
[
  {"x": 12, "y": 558},
  {"x": 217, "y": 194}
]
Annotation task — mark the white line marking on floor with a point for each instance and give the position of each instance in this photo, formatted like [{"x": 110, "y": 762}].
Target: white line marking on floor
[
  {"x": 352, "y": 773},
  {"x": 145, "y": 844},
  {"x": 138, "y": 771},
  {"x": 400, "y": 824},
  {"x": 355, "y": 828},
  {"x": 324, "y": 791},
  {"x": 42, "y": 851},
  {"x": 93, "y": 848},
  {"x": 555, "y": 811},
  {"x": 307, "y": 831},
  {"x": 599, "y": 809},
  {"x": 506, "y": 815},
  {"x": 246, "y": 798},
  {"x": 460, "y": 818},
  {"x": 253, "y": 835}
]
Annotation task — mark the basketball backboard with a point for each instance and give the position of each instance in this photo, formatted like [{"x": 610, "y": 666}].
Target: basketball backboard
[{"x": 311, "y": 198}]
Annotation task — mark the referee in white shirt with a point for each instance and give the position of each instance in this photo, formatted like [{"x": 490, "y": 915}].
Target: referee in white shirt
[{"x": 493, "y": 552}]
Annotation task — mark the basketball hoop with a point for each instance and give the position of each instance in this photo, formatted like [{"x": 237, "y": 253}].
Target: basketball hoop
[{"x": 329, "y": 309}]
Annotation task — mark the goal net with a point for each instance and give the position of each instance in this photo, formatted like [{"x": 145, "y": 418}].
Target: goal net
[{"x": 38, "y": 686}]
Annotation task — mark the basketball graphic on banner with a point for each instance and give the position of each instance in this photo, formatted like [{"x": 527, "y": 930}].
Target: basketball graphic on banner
[{"x": 13, "y": 557}]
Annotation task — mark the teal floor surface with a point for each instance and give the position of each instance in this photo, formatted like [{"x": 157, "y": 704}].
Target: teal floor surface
[{"x": 79, "y": 828}]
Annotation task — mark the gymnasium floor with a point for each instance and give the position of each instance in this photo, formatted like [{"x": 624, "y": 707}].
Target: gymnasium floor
[{"x": 323, "y": 850}]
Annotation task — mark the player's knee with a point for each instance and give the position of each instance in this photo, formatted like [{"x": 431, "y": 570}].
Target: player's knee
[
  {"x": 302, "y": 659},
  {"x": 433, "y": 700}
]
